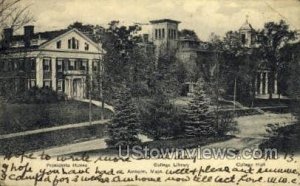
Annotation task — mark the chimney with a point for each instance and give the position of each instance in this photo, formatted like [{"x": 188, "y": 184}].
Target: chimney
[
  {"x": 7, "y": 37},
  {"x": 28, "y": 33}
]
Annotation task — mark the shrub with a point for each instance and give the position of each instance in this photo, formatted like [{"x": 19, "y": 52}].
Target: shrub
[
  {"x": 37, "y": 95},
  {"x": 159, "y": 118},
  {"x": 226, "y": 123}
]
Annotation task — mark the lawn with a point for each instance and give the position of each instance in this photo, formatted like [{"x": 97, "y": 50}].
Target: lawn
[
  {"x": 22, "y": 117},
  {"x": 51, "y": 139}
]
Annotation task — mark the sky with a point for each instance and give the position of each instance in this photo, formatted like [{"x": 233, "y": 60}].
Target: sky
[{"x": 202, "y": 16}]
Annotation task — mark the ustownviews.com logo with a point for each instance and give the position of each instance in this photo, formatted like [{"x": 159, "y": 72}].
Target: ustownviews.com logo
[{"x": 199, "y": 153}]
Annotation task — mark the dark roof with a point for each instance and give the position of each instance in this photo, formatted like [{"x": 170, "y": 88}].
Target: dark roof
[
  {"x": 164, "y": 20},
  {"x": 43, "y": 35}
]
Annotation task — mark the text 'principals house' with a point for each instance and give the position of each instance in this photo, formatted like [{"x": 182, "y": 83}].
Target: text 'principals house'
[{"x": 61, "y": 60}]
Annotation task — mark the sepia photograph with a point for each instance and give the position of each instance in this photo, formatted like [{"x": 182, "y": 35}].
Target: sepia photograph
[{"x": 149, "y": 92}]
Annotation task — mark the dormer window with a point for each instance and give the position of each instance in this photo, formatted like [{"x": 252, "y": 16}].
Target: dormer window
[
  {"x": 86, "y": 46},
  {"x": 73, "y": 43},
  {"x": 58, "y": 44}
]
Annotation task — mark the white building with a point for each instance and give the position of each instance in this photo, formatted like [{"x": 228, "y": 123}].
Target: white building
[{"x": 63, "y": 60}]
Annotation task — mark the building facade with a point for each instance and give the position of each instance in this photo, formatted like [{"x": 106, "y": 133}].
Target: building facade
[{"x": 63, "y": 60}]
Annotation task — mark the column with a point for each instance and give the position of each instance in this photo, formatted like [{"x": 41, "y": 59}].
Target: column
[
  {"x": 90, "y": 66},
  {"x": 275, "y": 85},
  {"x": 39, "y": 72},
  {"x": 53, "y": 73},
  {"x": 70, "y": 87},
  {"x": 266, "y": 84},
  {"x": 255, "y": 84},
  {"x": 261, "y": 83}
]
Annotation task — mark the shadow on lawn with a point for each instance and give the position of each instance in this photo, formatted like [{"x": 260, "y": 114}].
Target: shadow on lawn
[{"x": 179, "y": 143}]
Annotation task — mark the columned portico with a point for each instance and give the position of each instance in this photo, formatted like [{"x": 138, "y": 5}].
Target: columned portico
[
  {"x": 263, "y": 85},
  {"x": 75, "y": 86}
]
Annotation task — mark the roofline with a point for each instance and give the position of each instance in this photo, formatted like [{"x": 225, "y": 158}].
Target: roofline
[
  {"x": 68, "y": 31},
  {"x": 164, "y": 20}
]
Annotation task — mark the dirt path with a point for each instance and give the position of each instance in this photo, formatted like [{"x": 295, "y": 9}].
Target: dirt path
[
  {"x": 252, "y": 130},
  {"x": 252, "y": 133},
  {"x": 43, "y": 130}
]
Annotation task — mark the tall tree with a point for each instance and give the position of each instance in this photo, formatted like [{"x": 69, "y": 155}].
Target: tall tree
[
  {"x": 199, "y": 117},
  {"x": 159, "y": 118},
  {"x": 272, "y": 38},
  {"x": 238, "y": 67},
  {"x": 292, "y": 57},
  {"x": 124, "y": 127}
]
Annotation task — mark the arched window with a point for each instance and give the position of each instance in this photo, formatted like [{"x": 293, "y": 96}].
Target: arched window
[{"x": 73, "y": 43}]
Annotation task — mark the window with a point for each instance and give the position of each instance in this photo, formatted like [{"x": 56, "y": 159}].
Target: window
[
  {"x": 146, "y": 38},
  {"x": 73, "y": 43},
  {"x": 159, "y": 33},
  {"x": 86, "y": 46},
  {"x": 169, "y": 33},
  {"x": 71, "y": 64},
  {"x": 32, "y": 83},
  {"x": 32, "y": 64},
  {"x": 21, "y": 65},
  {"x": 59, "y": 85},
  {"x": 156, "y": 33},
  {"x": 46, "y": 64},
  {"x": 101, "y": 67},
  {"x": 15, "y": 65},
  {"x": 58, "y": 44},
  {"x": 1, "y": 65},
  {"x": 163, "y": 33},
  {"x": 95, "y": 65},
  {"x": 83, "y": 65},
  {"x": 9, "y": 65},
  {"x": 59, "y": 65},
  {"x": 65, "y": 64},
  {"x": 243, "y": 38},
  {"x": 175, "y": 34},
  {"x": 47, "y": 83}
]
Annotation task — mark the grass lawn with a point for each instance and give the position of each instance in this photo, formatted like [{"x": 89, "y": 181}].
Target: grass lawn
[
  {"x": 22, "y": 117},
  {"x": 50, "y": 139}
]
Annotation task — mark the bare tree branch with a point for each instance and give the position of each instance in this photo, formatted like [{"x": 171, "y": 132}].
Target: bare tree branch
[{"x": 13, "y": 15}]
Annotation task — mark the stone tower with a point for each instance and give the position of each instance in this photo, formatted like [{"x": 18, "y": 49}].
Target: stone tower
[{"x": 165, "y": 35}]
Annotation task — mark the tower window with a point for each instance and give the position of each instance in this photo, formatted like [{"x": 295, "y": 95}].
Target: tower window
[
  {"x": 163, "y": 33},
  {"x": 159, "y": 33},
  {"x": 243, "y": 38}
]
